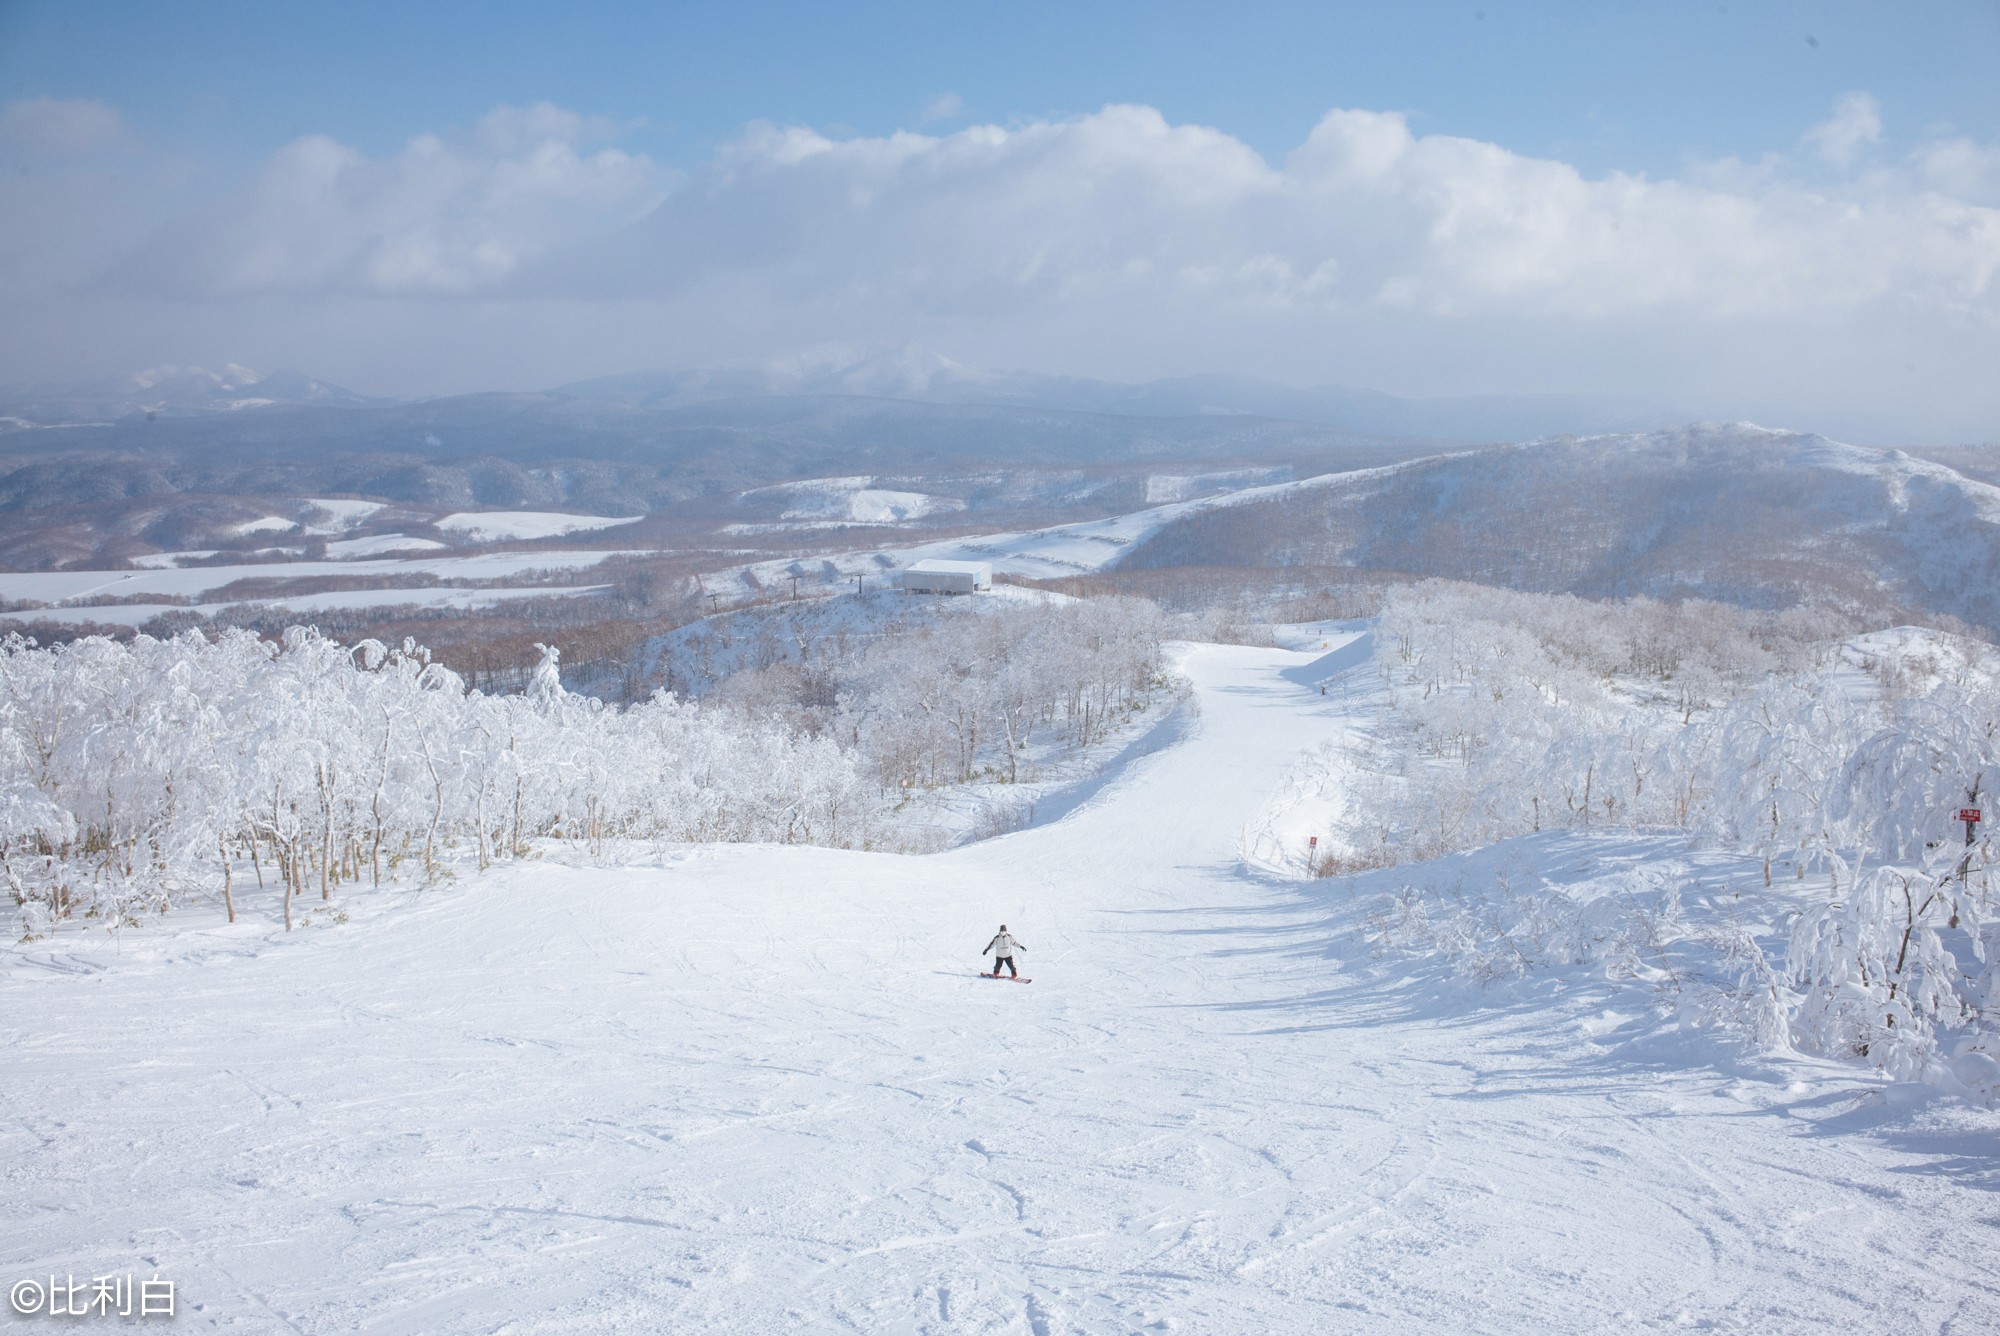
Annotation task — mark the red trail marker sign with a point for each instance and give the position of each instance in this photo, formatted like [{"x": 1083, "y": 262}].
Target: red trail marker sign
[{"x": 1969, "y": 814}]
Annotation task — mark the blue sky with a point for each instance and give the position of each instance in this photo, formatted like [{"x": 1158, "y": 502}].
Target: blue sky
[
  {"x": 1781, "y": 210},
  {"x": 1641, "y": 87}
]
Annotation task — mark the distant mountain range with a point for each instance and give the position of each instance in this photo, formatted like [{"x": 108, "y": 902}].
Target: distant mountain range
[
  {"x": 909, "y": 374},
  {"x": 172, "y": 391},
  {"x": 171, "y": 458},
  {"x": 107, "y": 484},
  {"x": 921, "y": 376}
]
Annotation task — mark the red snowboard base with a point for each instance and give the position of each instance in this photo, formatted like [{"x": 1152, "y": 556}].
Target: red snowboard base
[{"x": 1010, "y": 978}]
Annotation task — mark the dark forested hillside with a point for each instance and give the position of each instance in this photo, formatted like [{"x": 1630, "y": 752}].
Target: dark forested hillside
[{"x": 1739, "y": 514}]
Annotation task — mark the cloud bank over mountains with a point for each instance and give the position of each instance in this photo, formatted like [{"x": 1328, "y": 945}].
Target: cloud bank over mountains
[{"x": 1842, "y": 286}]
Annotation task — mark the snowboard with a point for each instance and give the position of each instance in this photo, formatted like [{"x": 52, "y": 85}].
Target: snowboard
[{"x": 1008, "y": 977}]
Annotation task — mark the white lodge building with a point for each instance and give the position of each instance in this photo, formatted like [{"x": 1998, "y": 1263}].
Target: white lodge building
[{"x": 947, "y": 577}]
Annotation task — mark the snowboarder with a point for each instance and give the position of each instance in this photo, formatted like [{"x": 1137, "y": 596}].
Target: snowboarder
[{"x": 1002, "y": 949}]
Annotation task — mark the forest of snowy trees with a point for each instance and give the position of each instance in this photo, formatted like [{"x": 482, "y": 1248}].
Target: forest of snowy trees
[
  {"x": 134, "y": 775},
  {"x": 1837, "y": 762}
]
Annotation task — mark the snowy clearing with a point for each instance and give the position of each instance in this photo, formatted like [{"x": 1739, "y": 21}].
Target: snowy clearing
[
  {"x": 857, "y": 501},
  {"x": 341, "y": 515},
  {"x": 381, "y": 545},
  {"x": 751, "y": 1088},
  {"x": 487, "y": 526},
  {"x": 346, "y": 549},
  {"x": 166, "y": 561}
]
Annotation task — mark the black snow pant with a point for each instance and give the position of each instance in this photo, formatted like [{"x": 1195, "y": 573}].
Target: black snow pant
[{"x": 1008, "y": 961}]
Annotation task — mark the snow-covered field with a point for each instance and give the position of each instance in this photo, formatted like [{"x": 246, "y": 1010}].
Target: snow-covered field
[
  {"x": 487, "y": 526},
  {"x": 423, "y": 596},
  {"x": 381, "y": 545},
  {"x": 166, "y": 561},
  {"x": 856, "y": 500},
  {"x": 345, "y": 549},
  {"x": 60, "y": 586},
  {"x": 745, "y": 1089}
]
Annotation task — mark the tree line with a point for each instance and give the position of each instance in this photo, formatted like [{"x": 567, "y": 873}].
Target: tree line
[
  {"x": 1837, "y": 761},
  {"x": 136, "y": 774}
]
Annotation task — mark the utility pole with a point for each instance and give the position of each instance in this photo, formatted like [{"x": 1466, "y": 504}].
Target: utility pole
[
  {"x": 857, "y": 583},
  {"x": 1970, "y": 815},
  {"x": 712, "y": 606},
  {"x": 795, "y": 587}
]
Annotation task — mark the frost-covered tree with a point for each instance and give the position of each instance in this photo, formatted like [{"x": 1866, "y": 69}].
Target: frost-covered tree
[
  {"x": 133, "y": 773},
  {"x": 1839, "y": 763}
]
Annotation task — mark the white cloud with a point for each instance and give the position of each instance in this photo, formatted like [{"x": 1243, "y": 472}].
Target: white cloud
[
  {"x": 1117, "y": 243},
  {"x": 1960, "y": 168},
  {"x": 508, "y": 129},
  {"x": 60, "y": 124},
  {"x": 943, "y": 107},
  {"x": 1856, "y": 122},
  {"x": 1364, "y": 216},
  {"x": 448, "y": 216},
  {"x": 1120, "y": 205}
]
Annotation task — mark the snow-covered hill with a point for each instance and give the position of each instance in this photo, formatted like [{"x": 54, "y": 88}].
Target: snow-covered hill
[
  {"x": 173, "y": 391},
  {"x": 757, "y": 1088},
  {"x": 1734, "y": 513},
  {"x": 836, "y": 502},
  {"x": 1059, "y": 550},
  {"x": 919, "y": 374}
]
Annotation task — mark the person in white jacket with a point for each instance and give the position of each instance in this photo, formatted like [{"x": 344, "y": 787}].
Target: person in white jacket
[{"x": 1002, "y": 949}]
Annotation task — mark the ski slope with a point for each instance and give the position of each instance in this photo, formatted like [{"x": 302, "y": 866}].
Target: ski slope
[{"x": 750, "y": 1089}]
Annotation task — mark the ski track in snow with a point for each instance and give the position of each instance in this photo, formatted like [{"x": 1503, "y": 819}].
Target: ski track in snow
[{"x": 749, "y": 1089}]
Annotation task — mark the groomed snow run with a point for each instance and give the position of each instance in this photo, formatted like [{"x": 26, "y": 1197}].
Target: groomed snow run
[{"x": 756, "y": 1089}]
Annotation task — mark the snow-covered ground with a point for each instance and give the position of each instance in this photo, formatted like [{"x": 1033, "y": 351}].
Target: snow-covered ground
[
  {"x": 266, "y": 524},
  {"x": 166, "y": 561},
  {"x": 1051, "y": 553},
  {"x": 337, "y": 515},
  {"x": 1166, "y": 487},
  {"x": 60, "y": 586},
  {"x": 855, "y": 500},
  {"x": 346, "y": 549},
  {"x": 842, "y": 503},
  {"x": 487, "y": 526},
  {"x": 746, "y": 1089},
  {"x": 426, "y": 596},
  {"x": 381, "y": 545}
]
